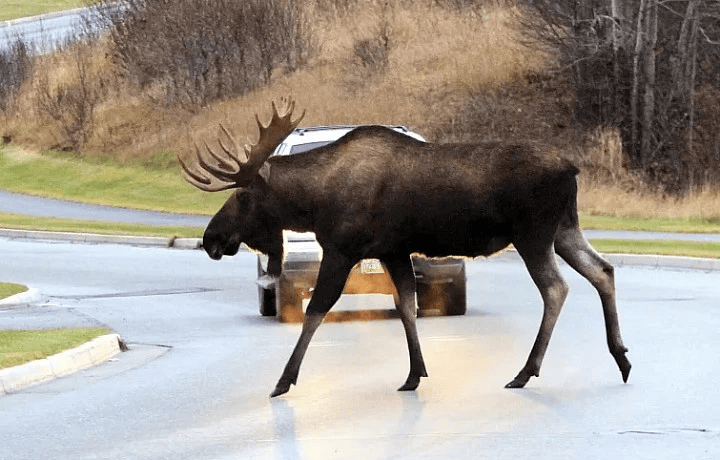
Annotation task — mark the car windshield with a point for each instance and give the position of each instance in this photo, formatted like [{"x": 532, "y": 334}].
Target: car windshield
[{"x": 299, "y": 148}]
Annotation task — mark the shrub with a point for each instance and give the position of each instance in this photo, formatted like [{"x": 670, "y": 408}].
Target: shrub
[
  {"x": 373, "y": 54},
  {"x": 194, "y": 52},
  {"x": 68, "y": 89},
  {"x": 16, "y": 67}
]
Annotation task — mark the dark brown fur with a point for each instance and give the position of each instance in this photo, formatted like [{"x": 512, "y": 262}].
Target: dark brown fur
[{"x": 376, "y": 193}]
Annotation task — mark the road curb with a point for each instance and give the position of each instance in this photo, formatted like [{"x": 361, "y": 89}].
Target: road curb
[
  {"x": 89, "y": 354},
  {"x": 28, "y": 297},
  {"x": 687, "y": 263},
  {"x": 642, "y": 260},
  {"x": 97, "y": 238}
]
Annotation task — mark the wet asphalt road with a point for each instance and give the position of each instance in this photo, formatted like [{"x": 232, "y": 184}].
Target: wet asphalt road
[{"x": 202, "y": 363}]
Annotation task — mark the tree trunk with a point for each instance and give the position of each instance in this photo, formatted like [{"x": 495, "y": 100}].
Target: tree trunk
[
  {"x": 649, "y": 53},
  {"x": 640, "y": 32},
  {"x": 686, "y": 65},
  {"x": 616, "y": 34}
]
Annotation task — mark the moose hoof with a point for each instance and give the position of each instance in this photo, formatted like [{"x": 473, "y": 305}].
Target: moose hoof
[
  {"x": 517, "y": 383},
  {"x": 280, "y": 389},
  {"x": 624, "y": 366},
  {"x": 520, "y": 381},
  {"x": 410, "y": 384}
]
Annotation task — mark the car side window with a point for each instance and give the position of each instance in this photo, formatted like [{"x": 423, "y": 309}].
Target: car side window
[{"x": 299, "y": 148}]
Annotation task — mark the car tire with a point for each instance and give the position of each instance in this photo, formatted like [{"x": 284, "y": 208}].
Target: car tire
[
  {"x": 449, "y": 298},
  {"x": 267, "y": 302},
  {"x": 266, "y": 297}
]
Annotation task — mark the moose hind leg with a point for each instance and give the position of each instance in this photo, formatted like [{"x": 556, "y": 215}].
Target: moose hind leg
[
  {"x": 571, "y": 245},
  {"x": 401, "y": 272},
  {"x": 553, "y": 289},
  {"x": 334, "y": 270}
]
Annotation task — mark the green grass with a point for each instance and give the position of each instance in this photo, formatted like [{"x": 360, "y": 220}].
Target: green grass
[
  {"x": 110, "y": 184},
  {"x": 13, "y": 9},
  {"x": 22, "y": 222},
  {"x": 8, "y": 289},
  {"x": 19, "y": 347},
  {"x": 676, "y": 225},
  {"x": 663, "y": 247}
]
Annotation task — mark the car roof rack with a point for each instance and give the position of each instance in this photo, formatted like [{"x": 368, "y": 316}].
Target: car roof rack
[{"x": 302, "y": 131}]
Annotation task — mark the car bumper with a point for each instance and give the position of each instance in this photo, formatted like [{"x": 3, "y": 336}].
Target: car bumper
[{"x": 367, "y": 277}]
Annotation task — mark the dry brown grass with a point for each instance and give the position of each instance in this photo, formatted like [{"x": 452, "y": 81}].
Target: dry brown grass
[
  {"x": 607, "y": 187},
  {"x": 440, "y": 62},
  {"x": 438, "y": 59},
  {"x": 608, "y": 199}
]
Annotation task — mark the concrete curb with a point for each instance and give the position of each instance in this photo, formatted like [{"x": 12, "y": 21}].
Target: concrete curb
[
  {"x": 640, "y": 260},
  {"x": 64, "y": 363},
  {"x": 687, "y": 263},
  {"x": 96, "y": 238},
  {"x": 28, "y": 297}
]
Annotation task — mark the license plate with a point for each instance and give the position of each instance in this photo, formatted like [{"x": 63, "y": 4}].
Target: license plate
[{"x": 370, "y": 266}]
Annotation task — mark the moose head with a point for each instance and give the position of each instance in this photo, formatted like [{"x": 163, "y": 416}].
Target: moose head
[{"x": 242, "y": 218}]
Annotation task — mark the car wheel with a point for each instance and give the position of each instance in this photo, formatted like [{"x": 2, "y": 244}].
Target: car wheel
[
  {"x": 266, "y": 297},
  {"x": 447, "y": 298}
]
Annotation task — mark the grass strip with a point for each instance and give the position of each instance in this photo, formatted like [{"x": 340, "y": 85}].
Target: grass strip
[
  {"x": 19, "y": 347},
  {"x": 8, "y": 289},
  {"x": 25, "y": 8},
  {"x": 123, "y": 186},
  {"x": 648, "y": 224},
  {"x": 658, "y": 247},
  {"x": 23, "y": 222}
]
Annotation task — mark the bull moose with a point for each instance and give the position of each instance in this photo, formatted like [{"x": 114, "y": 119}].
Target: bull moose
[{"x": 376, "y": 193}]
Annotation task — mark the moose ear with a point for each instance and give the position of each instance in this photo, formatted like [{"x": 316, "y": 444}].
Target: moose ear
[{"x": 264, "y": 172}]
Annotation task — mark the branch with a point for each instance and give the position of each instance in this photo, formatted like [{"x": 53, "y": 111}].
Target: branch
[{"x": 707, "y": 38}]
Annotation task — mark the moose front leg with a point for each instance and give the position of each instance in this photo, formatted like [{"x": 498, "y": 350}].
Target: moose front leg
[
  {"x": 334, "y": 270},
  {"x": 553, "y": 289},
  {"x": 402, "y": 274}
]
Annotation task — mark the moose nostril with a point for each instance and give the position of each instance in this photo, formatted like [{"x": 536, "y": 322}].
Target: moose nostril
[{"x": 215, "y": 252}]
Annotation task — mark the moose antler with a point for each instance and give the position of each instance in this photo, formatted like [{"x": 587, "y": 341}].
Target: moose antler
[{"x": 232, "y": 168}]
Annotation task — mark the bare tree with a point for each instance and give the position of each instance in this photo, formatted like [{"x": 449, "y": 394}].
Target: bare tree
[
  {"x": 638, "y": 65},
  {"x": 644, "y": 75}
]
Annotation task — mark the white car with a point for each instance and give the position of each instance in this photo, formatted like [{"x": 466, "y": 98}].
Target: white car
[{"x": 441, "y": 283}]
